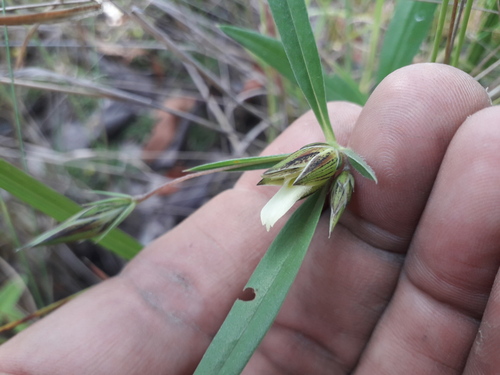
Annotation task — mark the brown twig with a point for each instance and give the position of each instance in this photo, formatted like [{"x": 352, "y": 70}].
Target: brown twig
[{"x": 51, "y": 16}]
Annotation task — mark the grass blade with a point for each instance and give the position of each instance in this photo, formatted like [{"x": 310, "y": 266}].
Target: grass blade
[
  {"x": 439, "y": 30},
  {"x": 50, "y": 202},
  {"x": 271, "y": 51},
  {"x": 461, "y": 34},
  {"x": 267, "y": 49},
  {"x": 341, "y": 86},
  {"x": 248, "y": 321},
  {"x": 406, "y": 32},
  {"x": 373, "y": 48},
  {"x": 298, "y": 40}
]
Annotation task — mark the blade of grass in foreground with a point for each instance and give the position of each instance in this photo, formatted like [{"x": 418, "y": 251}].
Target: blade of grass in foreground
[
  {"x": 248, "y": 321},
  {"x": 297, "y": 37},
  {"x": 50, "y": 202},
  {"x": 406, "y": 32}
]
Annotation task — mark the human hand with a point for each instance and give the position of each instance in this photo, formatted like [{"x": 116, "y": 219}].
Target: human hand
[{"x": 404, "y": 285}]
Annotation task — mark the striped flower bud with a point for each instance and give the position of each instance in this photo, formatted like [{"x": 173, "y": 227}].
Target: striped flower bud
[
  {"x": 300, "y": 175},
  {"x": 94, "y": 222},
  {"x": 340, "y": 195}
]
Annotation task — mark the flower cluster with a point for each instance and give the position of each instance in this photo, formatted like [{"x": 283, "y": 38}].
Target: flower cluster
[{"x": 301, "y": 174}]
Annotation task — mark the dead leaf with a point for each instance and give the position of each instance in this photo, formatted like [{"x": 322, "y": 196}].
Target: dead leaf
[{"x": 165, "y": 128}]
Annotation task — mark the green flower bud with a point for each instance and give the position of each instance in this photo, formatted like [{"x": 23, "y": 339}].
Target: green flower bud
[
  {"x": 300, "y": 175},
  {"x": 340, "y": 195},
  {"x": 94, "y": 221},
  {"x": 311, "y": 165}
]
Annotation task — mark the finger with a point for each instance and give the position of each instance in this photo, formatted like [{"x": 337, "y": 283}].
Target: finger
[
  {"x": 403, "y": 132},
  {"x": 433, "y": 318},
  {"x": 161, "y": 313},
  {"x": 483, "y": 358},
  {"x": 345, "y": 283}
]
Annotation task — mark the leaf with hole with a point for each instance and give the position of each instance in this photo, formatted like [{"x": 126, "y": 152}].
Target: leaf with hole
[{"x": 249, "y": 320}]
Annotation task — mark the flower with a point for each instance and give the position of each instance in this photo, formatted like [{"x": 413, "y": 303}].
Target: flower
[
  {"x": 340, "y": 195},
  {"x": 300, "y": 175}
]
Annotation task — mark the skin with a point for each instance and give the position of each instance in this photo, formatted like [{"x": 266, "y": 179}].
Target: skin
[{"x": 406, "y": 283}]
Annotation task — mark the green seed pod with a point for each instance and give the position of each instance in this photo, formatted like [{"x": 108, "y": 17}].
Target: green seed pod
[{"x": 340, "y": 195}]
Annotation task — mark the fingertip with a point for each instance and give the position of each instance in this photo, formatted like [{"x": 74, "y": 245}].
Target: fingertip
[{"x": 403, "y": 132}]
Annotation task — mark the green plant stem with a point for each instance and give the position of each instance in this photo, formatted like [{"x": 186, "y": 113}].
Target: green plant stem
[
  {"x": 451, "y": 27},
  {"x": 439, "y": 31},
  {"x": 461, "y": 35},
  {"x": 329, "y": 135},
  {"x": 370, "y": 63}
]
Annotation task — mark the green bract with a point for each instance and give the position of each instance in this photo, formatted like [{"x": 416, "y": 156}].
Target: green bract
[{"x": 340, "y": 195}]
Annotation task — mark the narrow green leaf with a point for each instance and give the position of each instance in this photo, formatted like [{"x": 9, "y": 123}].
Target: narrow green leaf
[
  {"x": 248, "y": 321},
  {"x": 408, "y": 28},
  {"x": 297, "y": 37},
  {"x": 50, "y": 202},
  {"x": 271, "y": 51},
  {"x": 243, "y": 164},
  {"x": 341, "y": 86},
  {"x": 360, "y": 164},
  {"x": 110, "y": 194},
  {"x": 267, "y": 49}
]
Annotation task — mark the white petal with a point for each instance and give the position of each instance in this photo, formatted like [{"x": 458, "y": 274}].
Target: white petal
[{"x": 281, "y": 202}]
